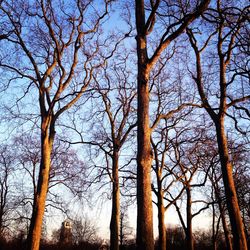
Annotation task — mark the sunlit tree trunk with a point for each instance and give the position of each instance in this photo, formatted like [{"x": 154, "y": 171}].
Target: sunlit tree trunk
[
  {"x": 239, "y": 239},
  {"x": 145, "y": 239},
  {"x": 47, "y": 139},
  {"x": 115, "y": 216}
]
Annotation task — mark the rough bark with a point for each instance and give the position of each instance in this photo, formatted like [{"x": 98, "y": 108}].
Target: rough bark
[
  {"x": 115, "y": 216},
  {"x": 145, "y": 238}
]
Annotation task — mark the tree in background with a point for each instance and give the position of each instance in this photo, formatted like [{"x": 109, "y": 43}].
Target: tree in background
[
  {"x": 7, "y": 198},
  {"x": 112, "y": 122},
  {"x": 226, "y": 22},
  {"x": 125, "y": 230}
]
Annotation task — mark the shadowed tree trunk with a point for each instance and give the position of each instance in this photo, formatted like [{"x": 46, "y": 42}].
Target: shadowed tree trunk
[
  {"x": 161, "y": 221},
  {"x": 189, "y": 234},
  {"x": 115, "y": 214},
  {"x": 223, "y": 218}
]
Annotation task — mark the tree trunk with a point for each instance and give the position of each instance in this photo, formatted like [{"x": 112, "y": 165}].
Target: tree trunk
[
  {"x": 223, "y": 219},
  {"x": 121, "y": 231},
  {"x": 35, "y": 229},
  {"x": 189, "y": 231},
  {"x": 225, "y": 229},
  {"x": 145, "y": 238},
  {"x": 239, "y": 239},
  {"x": 214, "y": 236},
  {"x": 161, "y": 219},
  {"x": 115, "y": 216}
]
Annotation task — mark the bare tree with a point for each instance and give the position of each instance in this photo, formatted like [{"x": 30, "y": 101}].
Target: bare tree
[
  {"x": 121, "y": 124},
  {"x": 6, "y": 185},
  {"x": 84, "y": 230},
  {"x": 171, "y": 107},
  {"x": 67, "y": 176},
  {"x": 57, "y": 44},
  {"x": 146, "y": 16},
  {"x": 111, "y": 126},
  {"x": 125, "y": 230},
  {"x": 193, "y": 159},
  {"x": 227, "y": 22}
]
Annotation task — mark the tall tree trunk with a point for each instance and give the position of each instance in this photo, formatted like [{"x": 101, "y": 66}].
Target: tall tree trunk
[
  {"x": 189, "y": 232},
  {"x": 239, "y": 239},
  {"x": 145, "y": 238},
  {"x": 115, "y": 216},
  {"x": 161, "y": 219},
  {"x": 41, "y": 192}
]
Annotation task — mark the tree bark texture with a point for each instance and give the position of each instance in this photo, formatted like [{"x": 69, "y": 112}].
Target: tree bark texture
[
  {"x": 115, "y": 216},
  {"x": 145, "y": 238}
]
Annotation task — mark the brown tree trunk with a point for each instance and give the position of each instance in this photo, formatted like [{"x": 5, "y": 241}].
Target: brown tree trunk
[
  {"x": 115, "y": 216},
  {"x": 189, "y": 231},
  {"x": 239, "y": 239},
  {"x": 145, "y": 238},
  {"x": 35, "y": 229},
  {"x": 161, "y": 219}
]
